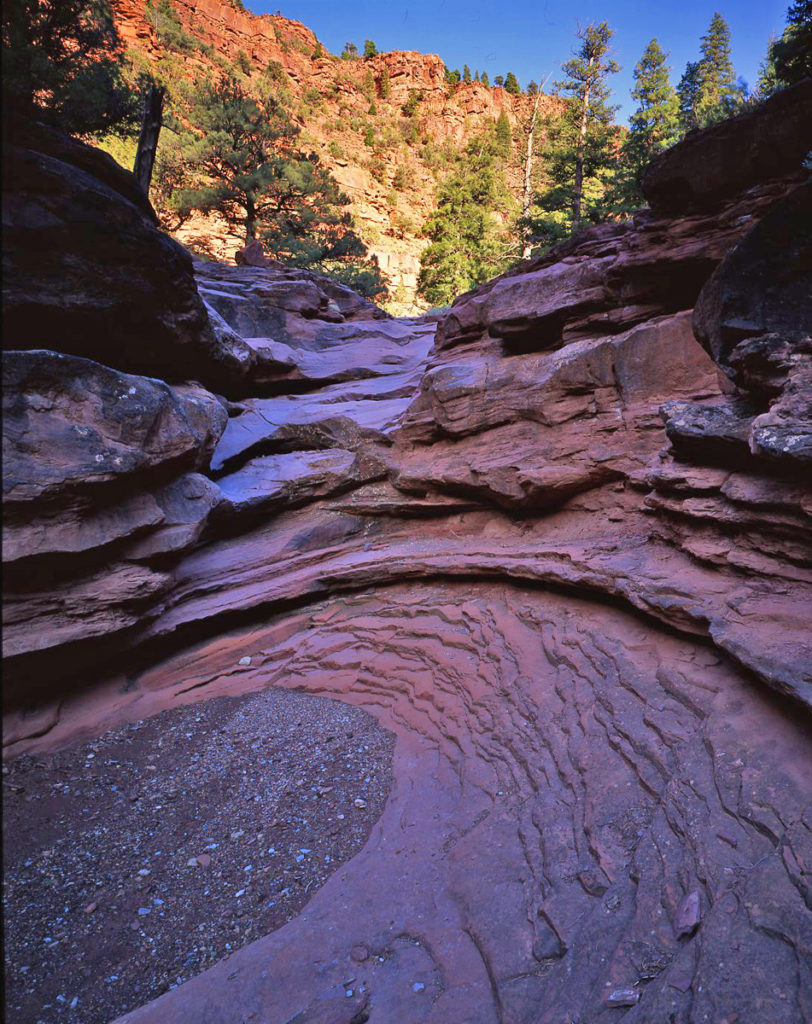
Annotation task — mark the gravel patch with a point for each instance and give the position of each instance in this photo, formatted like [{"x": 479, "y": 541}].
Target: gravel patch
[{"x": 136, "y": 861}]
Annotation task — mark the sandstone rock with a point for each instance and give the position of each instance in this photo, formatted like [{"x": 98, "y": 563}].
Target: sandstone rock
[
  {"x": 70, "y": 424},
  {"x": 116, "y": 289},
  {"x": 717, "y": 163},
  {"x": 251, "y": 255},
  {"x": 755, "y": 313}
]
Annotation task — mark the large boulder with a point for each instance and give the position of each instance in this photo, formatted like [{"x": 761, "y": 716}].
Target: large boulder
[
  {"x": 711, "y": 166},
  {"x": 88, "y": 271}
]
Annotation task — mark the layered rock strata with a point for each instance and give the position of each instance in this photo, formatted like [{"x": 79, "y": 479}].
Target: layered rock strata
[{"x": 545, "y": 541}]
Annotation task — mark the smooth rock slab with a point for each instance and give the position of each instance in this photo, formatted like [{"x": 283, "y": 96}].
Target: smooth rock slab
[{"x": 565, "y": 776}]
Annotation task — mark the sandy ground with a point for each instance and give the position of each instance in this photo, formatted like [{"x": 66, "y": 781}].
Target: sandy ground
[{"x": 136, "y": 861}]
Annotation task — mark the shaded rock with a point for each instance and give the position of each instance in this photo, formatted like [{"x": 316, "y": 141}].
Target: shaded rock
[
  {"x": 70, "y": 423},
  {"x": 755, "y": 313},
  {"x": 717, "y": 163},
  {"x": 87, "y": 271},
  {"x": 715, "y": 431}
]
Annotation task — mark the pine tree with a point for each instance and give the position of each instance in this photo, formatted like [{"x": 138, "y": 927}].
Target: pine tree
[
  {"x": 586, "y": 75},
  {"x": 386, "y": 88},
  {"x": 476, "y": 75},
  {"x": 247, "y": 167},
  {"x": 350, "y": 51},
  {"x": 370, "y": 49},
  {"x": 718, "y": 93},
  {"x": 468, "y": 243},
  {"x": 512, "y": 84},
  {"x": 484, "y": 79},
  {"x": 654, "y": 125},
  {"x": 791, "y": 55},
  {"x": 63, "y": 62},
  {"x": 466, "y": 73},
  {"x": 503, "y": 135},
  {"x": 318, "y": 51},
  {"x": 532, "y": 88},
  {"x": 688, "y": 93},
  {"x": 499, "y": 81}
]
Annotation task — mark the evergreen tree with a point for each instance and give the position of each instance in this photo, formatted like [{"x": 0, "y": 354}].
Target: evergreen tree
[
  {"x": 503, "y": 135},
  {"x": 588, "y": 128},
  {"x": 718, "y": 92},
  {"x": 248, "y": 169},
  {"x": 484, "y": 79},
  {"x": 791, "y": 55},
  {"x": 370, "y": 49},
  {"x": 318, "y": 51},
  {"x": 350, "y": 51},
  {"x": 386, "y": 88},
  {"x": 476, "y": 75},
  {"x": 688, "y": 93},
  {"x": 453, "y": 77},
  {"x": 512, "y": 84},
  {"x": 468, "y": 242},
  {"x": 499, "y": 81},
  {"x": 654, "y": 125},
  {"x": 466, "y": 73},
  {"x": 532, "y": 88},
  {"x": 63, "y": 62}
]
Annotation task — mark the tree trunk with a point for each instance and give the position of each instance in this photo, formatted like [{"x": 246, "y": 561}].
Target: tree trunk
[
  {"x": 250, "y": 221},
  {"x": 528, "y": 167},
  {"x": 579, "y": 155},
  {"x": 151, "y": 124}
]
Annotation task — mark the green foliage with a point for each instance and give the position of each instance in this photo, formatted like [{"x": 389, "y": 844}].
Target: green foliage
[
  {"x": 532, "y": 88},
  {"x": 512, "y": 84},
  {"x": 350, "y": 51},
  {"x": 370, "y": 49},
  {"x": 386, "y": 88},
  {"x": 335, "y": 149},
  {"x": 409, "y": 108},
  {"x": 240, "y": 158},
  {"x": 502, "y": 135},
  {"x": 688, "y": 92},
  {"x": 244, "y": 62},
  {"x": 63, "y": 62},
  {"x": 791, "y": 56},
  {"x": 499, "y": 81},
  {"x": 369, "y": 137},
  {"x": 369, "y": 85},
  {"x": 452, "y": 78},
  {"x": 169, "y": 30},
  {"x": 373, "y": 110},
  {"x": 653, "y": 126},
  {"x": 581, "y": 142},
  {"x": 403, "y": 178},
  {"x": 484, "y": 79},
  {"x": 466, "y": 73},
  {"x": 718, "y": 93},
  {"x": 274, "y": 72},
  {"x": 318, "y": 51},
  {"x": 468, "y": 242}
]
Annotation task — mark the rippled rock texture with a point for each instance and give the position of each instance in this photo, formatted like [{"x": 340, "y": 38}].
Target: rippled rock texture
[{"x": 549, "y": 545}]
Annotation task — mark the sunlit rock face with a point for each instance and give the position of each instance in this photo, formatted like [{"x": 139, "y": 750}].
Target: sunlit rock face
[{"x": 556, "y": 541}]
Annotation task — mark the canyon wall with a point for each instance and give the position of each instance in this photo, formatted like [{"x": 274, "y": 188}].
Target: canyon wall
[
  {"x": 332, "y": 110},
  {"x": 556, "y": 540}
]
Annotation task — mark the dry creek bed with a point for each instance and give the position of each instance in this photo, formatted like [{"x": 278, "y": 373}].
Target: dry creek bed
[{"x": 135, "y": 861}]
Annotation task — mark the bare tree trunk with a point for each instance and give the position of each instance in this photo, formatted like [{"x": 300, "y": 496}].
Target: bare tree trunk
[
  {"x": 579, "y": 157},
  {"x": 528, "y": 167},
  {"x": 250, "y": 221},
  {"x": 151, "y": 124}
]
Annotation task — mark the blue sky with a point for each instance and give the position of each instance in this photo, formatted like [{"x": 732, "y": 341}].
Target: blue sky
[{"x": 532, "y": 37}]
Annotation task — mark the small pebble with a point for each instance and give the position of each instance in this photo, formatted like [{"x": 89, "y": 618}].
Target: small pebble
[
  {"x": 418, "y": 986},
  {"x": 244, "y": 661}
]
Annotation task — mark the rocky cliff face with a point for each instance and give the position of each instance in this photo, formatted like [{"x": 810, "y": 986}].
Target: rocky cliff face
[
  {"x": 332, "y": 109},
  {"x": 556, "y": 541}
]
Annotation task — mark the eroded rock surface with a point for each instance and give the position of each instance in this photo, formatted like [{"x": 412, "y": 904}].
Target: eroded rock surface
[{"x": 554, "y": 548}]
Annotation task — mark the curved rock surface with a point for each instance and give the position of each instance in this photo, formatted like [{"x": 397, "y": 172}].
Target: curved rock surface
[{"x": 562, "y": 557}]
